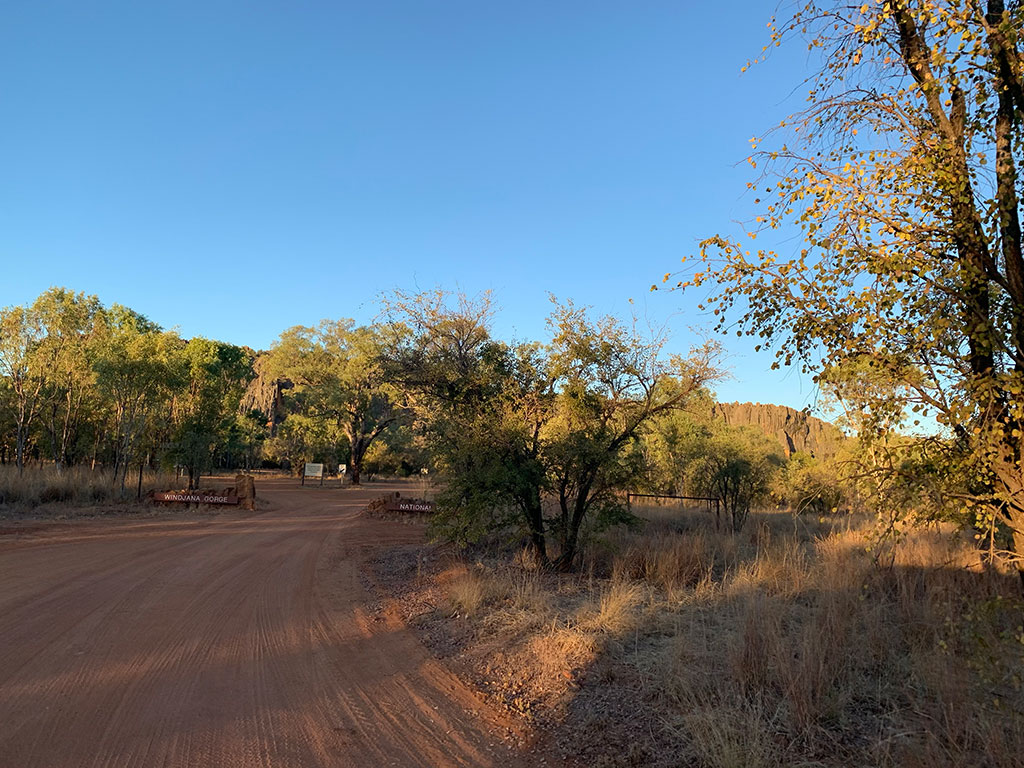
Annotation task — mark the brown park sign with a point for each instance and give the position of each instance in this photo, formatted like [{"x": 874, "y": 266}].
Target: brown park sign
[
  {"x": 414, "y": 505},
  {"x": 195, "y": 498}
]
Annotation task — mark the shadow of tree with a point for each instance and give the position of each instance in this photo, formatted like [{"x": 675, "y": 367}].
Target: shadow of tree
[{"x": 775, "y": 647}]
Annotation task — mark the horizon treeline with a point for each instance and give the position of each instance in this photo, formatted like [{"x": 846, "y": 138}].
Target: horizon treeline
[
  {"x": 105, "y": 387},
  {"x": 102, "y": 387}
]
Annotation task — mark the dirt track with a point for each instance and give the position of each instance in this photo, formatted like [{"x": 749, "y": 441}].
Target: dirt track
[{"x": 245, "y": 639}]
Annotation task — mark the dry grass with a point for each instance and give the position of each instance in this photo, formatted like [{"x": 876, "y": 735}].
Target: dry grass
[
  {"x": 613, "y": 610},
  {"x": 466, "y": 590},
  {"x": 38, "y": 486},
  {"x": 786, "y": 645}
]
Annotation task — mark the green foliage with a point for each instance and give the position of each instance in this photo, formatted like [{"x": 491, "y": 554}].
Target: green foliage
[
  {"x": 20, "y": 334},
  {"x": 339, "y": 387},
  {"x": 510, "y": 426},
  {"x": 480, "y": 406},
  {"x": 738, "y": 466},
  {"x": 68, "y": 321},
  {"x": 137, "y": 371},
  {"x": 301, "y": 438},
  {"x": 213, "y": 375},
  {"x": 672, "y": 444},
  {"x": 77, "y": 378},
  {"x": 813, "y": 486}
]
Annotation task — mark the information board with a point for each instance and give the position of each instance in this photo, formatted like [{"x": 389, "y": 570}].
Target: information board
[{"x": 313, "y": 470}]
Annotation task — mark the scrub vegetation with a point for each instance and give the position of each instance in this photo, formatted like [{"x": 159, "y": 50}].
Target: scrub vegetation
[{"x": 797, "y": 642}]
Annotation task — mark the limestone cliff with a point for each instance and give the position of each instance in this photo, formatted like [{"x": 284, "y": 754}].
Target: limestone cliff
[{"x": 795, "y": 430}]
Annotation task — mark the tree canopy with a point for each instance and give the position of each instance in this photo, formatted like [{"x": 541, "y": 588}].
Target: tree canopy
[
  {"x": 901, "y": 175},
  {"x": 514, "y": 426}
]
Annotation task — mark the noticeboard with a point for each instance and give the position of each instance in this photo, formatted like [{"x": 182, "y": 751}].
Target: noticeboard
[{"x": 313, "y": 470}]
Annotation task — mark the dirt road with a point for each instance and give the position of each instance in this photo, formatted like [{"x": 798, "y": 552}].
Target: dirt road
[{"x": 246, "y": 639}]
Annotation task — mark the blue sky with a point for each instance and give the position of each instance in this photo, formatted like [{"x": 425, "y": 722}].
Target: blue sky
[{"x": 235, "y": 168}]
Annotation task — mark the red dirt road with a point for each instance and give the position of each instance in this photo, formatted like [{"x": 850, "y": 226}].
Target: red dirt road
[{"x": 242, "y": 640}]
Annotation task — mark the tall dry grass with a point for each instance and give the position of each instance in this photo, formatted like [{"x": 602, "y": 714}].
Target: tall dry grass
[
  {"x": 788, "y": 644},
  {"x": 37, "y": 486}
]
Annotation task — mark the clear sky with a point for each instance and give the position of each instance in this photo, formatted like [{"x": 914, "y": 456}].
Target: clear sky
[{"x": 235, "y": 168}]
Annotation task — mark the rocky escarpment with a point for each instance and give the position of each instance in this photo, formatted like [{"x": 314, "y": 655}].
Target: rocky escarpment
[
  {"x": 264, "y": 393},
  {"x": 795, "y": 430}
]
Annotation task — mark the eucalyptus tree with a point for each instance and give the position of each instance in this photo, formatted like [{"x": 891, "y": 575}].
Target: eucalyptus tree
[
  {"x": 21, "y": 332},
  {"x": 67, "y": 321},
  {"x": 137, "y": 369},
  {"x": 212, "y": 377},
  {"x": 337, "y": 380}
]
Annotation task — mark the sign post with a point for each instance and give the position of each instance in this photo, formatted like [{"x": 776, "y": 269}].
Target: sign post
[
  {"x": 197, "y": 497},
  {"x": 313, "y": 470}
]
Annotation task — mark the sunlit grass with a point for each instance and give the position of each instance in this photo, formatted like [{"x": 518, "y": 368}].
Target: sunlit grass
[{"x": 787, "y": 644}]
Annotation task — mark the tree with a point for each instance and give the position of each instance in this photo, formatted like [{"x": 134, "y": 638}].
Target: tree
[
  {"x": 512, "y": 426},
  {"x": 902, "y": 177},
  {"x": 20, "y": 335},
  {"x": 8, "y": 428},
  {"x": 337, "y": 376},
  {"x": 301, "y": 438},
  {"x": 813, "y": 485},
  {"x": 737, "y": 465},
  {"x": 481, "y": 406},
  {"x": 612, "y": 382},
  {"x": 136, "y": 373},
  {"x": 672, "y": 443},
  {"x": 213, "y": 377},
  {"x": 67, "y": 321}
]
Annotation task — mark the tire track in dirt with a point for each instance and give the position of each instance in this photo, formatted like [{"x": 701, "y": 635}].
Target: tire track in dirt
[{"x": 237, "y": 641}]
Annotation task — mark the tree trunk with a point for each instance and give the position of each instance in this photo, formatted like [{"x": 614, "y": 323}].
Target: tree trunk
[
  {"x": 1010, "y": 478},
  {"x": 535, "y": 521},
  {"x": 564, "y": 562},
  {"x": 20, "y": 449},
  {"x": 571, "y": 532}
]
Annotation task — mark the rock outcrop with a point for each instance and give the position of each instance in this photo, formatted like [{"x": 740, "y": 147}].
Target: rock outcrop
[
  {"x": 264, "y": 393},
  {"x": 795, "y": 430},
  {"x": 245, "y": 489}
]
